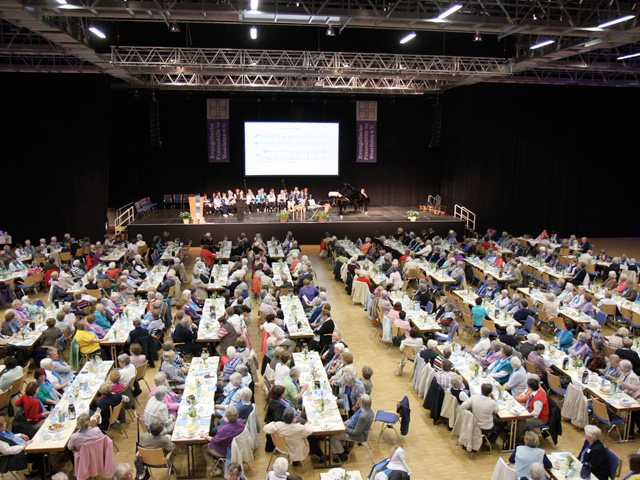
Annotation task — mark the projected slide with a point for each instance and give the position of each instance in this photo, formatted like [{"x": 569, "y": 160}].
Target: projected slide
[{"x": 287, "y": 148}]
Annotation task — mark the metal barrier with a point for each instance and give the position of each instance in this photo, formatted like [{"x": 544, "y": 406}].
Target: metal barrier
[
  {"x": 463, "y": 213},
  {"x": 124, "y": 216}
]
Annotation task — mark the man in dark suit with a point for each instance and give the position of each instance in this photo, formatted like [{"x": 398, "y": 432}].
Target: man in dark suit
[{"x": 578, "y": 278}]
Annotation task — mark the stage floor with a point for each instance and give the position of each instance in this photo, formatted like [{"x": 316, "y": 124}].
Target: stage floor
[
  {"x": 382, "y": 220},
  {"x": 374, "y": 215}
]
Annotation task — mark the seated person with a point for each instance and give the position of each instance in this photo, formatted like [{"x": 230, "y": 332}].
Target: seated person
[
  {"x": 393, "y": 468},
  {"x": 457, "y": 389},
  {"x": 156, "y": 439},
  {"x": 175, "y": 375},
  {"x": 357, "y": 427},
  {"x": 484, "y": 407},
  {"x": 84, "y": 433},
  {"x": 157, "y": 410},
  {"x": 218, "y": 445}
]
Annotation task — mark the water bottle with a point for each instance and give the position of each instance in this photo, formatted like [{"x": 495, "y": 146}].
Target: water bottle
[{"x": 72, "y": 412}]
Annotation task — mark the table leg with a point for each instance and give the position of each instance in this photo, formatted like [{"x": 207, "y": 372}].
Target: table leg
[
  {"x": 114, "y": 353},
  {"x": 628, "y": 428},
  {"x": 512, "y": 438},
  {"x": 191, "y": 461},
  {"x": 46, "y": 465},
  {"x": 327, "y": 457}
]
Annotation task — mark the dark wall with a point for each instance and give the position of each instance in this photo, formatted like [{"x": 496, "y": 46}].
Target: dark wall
[
  {"x": 524, "y": 158},
  {"x": 55, "y": 159},
  {"x": 405, "y": 173}
]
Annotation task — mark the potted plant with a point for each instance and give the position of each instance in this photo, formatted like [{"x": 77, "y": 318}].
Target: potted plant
[
  {"x": 322, "y": 217},
  {"x": 413, "y": 215},
  {"x": 283, "y": 216},
  {"x": 185, "y": 216}
]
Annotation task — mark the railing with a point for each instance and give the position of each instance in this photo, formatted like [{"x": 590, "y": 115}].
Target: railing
[
  {"x": 463, "y": 213},
  {"x": 124, "y": 216}
]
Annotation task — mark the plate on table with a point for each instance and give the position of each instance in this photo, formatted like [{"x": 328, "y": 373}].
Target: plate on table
[
  {"x": 86, "y": 395},
  {"x": 627, "y": 401},
  {"x": 336, "y": 473},
  {"x": 336, "y": 418},
  {"x": 178, "y": 434}
]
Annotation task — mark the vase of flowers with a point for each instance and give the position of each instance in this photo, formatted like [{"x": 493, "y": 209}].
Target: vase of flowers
[
  {"x": 186, "y": 217},
  {"x": 413, "y": 215}
]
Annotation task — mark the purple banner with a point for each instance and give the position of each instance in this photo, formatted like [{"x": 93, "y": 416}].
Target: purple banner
[
  {"x": 367, "y": 142},
  {"x": 218, "y": 140},
  {"x": 218, "y": 130}
]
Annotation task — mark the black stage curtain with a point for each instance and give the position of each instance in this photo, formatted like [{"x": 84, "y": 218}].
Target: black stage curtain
[
  {"x": 55, "y": 162},
  {"x": 407, "y": 171},
  {"x": 526, "y": 158}
]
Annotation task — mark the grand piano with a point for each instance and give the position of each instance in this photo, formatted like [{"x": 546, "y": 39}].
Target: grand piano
[{"x": 348, "y": 195}]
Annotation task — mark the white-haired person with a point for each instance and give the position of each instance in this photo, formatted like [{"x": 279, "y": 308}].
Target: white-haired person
[
  {"x": 171, "y": 399},
  {"x": 279, "y": 472},
  {"x": 524, "y": 456},
  {"x": 127, "y": 371},
  {"x": 217, "y": 446},
  {"x": 517, "y": 383},
  {"x": 482, "y": 346},
  {"x": 595, "y": 453},
  {"x": 156, "y": 409},
  {"x": 357, "y": 428},
  {"x": 123, "y": 471}
]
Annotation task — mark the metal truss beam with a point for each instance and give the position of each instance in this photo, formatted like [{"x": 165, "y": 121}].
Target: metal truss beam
[
  {"x": 501, "y": 17},
  {"x": 273, "y": 83},
  {"x": 573, "y": 77},
  {"x": 298, "y": 70}
]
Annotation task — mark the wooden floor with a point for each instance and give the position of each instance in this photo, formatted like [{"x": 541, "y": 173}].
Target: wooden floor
[{"x": 431, "y": 453}]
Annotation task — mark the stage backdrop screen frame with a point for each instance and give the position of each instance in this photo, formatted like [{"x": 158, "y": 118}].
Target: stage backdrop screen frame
[{"x": 291, "y": 148}]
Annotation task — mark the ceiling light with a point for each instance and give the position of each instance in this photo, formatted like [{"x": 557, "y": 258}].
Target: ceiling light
[
  {"x": 477, "y": 37},
  {"x": 449, "y": 11},
  {"x": 542, "y": 44},
  {"x": 616, "y": 21},
  {"x": 330, "y": 32},
  {"x": 631, "y": 55},
  {"x": 97, "y": 32},
  {"x": 253, "y": 4},
  {"x": 408, "y": 37},
  {"x": 62, "y": 2},
  {"x": 253, "y": 32},
  {"x": 175, "y": 28}
]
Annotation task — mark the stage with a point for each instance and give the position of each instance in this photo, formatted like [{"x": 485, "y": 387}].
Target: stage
[{"x": 382, "y": 219}]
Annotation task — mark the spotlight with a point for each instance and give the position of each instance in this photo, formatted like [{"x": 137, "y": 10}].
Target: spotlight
[
  {"x": 330, "y": 32},
  {"x": 253, "y": 4},
  {"x": 542, "y": 44},
  {"x": 477, "y": 37},
  {"x": 97, "y": 32},
  {"x": 408, "y": 37},
  {"x": 174, "y": 28},
  {"x": 253, "y": 32}
]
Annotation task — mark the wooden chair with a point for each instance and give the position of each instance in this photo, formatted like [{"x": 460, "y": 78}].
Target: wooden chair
[
  {"x": 608, "y": 351},
  {"x": 555, "y": 386},
  {"x": 280, "y": 446},
  {"x": 601, "y": 413},
  {"x": 140, "y": 373},
  {"x": 29, "y": 283},
  {"x": 5, "y": 398},
  {"x": 95, "y": 293},
  {"x": 141, "y": 426},
  {"x": 529, "y": 366},
  {"x": 65, "y": 256},
  {"x": 491, "y": 325},
  {"x": 609, "y": 310},
  {"x": 114, "y": 415},
  {"x": 16, "y": 386},
  {"x": 155, "y": 458}
]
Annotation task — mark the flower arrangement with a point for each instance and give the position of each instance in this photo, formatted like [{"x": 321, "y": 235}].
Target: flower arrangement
[
  {"x": 322, "y": 215},
  {"x": 283, "y": 216},
  {"x": 185, "y": 215},
  {"x": 577, "y": 363},
  {"x": 412, "y": 214}
]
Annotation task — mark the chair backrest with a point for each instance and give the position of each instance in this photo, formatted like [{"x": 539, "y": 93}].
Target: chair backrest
[
  {"x": 491, "y": 325},
  {"x": 153, "y": 457},
  {"x": 600, "y": 410},
  {"x": 608, "y": 351},
  {"x": 528, "y": 324},
  {"x": 429, "y": 307},
  {"x": 141, "y": 370},
  {"x": 608, "y": 308},
  {"x": 172, "y": 291},
  {"x": 114, "y": 413},
  {"x": 16, "y": 385},
  {"x": 29, "y": 281},
  {"x": 65, "y": 256},
  {"x": 281, "y": 445},
  {"x": 5, "y": 398},
  {"x": 614, "y": 464},
  {"x": 503, "y": 471},
  {"x": 453, "y": 330},
  {"x": 410, "y": 354},
  {"x": 554, "y": 382},
  {"x": 531, "y": 368},
  {"x": 104, "y": 283},
  {"x": 141, "y": 425},
  {"x": 95, "y": 293}
]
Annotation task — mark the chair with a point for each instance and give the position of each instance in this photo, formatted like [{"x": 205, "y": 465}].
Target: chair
[
  {"x": 502, "y": 471},
  {"x": 608, "y": 351},
  {"x": 359, "y": 294},
  {"x": 601, "y": 413},
  {"x": 167, "y": 200},
  {"x": 429, "y": 308},
  {"x": 468, "y": 323},
  {"x": 114, "y": 414},
  {"x": 367, "y": 448},
  {"x": 65, "y": 256},
  {"x": 280, "y": 446},
  {"x": 155, "y": 458},
  {"x": 16, "y": 386},
  {"x": 554, "y": 385},
  {"x": 609, "y": 309},
  {"x": 5, "y": 398},
  {"x": 601, "y": 318},
  {"x": 441, "y": 337},
  {"x": 95, "y": 293},
  {"x": 530, "y": 367},
  {"x": 140, "y": 373},
  {"x": 615, "y": 465},
  {"x": 29, "y": 283},
  {"x": 491, "y": 326},
  {"x": 388, "y": 420},
  {"x": 141, "y": 426},
  {"x": 526, "y": 329}
]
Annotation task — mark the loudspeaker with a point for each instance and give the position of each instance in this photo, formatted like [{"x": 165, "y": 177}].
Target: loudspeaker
[
  {"x": 154, "y": 123},
  {"x": 436, "y": 125}
]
